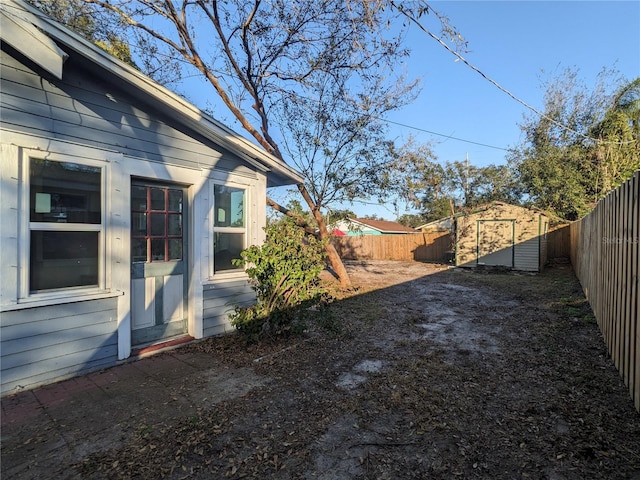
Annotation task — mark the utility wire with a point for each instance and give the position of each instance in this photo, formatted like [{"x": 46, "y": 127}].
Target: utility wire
[
  {"x": 444, "y": 135},
  {"x": 496, "y": 84},
  {"x": 489, "y": 79}
]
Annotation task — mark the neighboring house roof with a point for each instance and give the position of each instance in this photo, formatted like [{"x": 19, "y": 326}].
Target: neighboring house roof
[
  {"x": 48, "y": 44},
  {"x": 383, "y": 226}
]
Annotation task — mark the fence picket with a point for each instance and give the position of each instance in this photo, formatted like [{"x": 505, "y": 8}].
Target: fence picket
[
  {"x": 404, "y": 247},
  {"x": 605, "y": 253}
]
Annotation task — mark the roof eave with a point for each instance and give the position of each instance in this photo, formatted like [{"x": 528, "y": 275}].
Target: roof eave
[{"x": 167, "y": 101}]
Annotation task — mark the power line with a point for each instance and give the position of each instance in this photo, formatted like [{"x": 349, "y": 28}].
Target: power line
[
  {"x": 404, "y": 125},
  {"x": 451, "y": 137},
  {"x": 497, "y": 85},
  {"x": 486, "y": 77}
]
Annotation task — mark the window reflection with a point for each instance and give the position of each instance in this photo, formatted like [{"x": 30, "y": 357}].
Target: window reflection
[
  {"x": 63, "y": 259},
  {"x": 227, "y": 247},
  {"x": 63, "y": 193}
]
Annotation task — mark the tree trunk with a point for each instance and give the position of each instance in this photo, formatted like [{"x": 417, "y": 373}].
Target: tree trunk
[
  {"x": 323, "y": 233},
  {"x": 337, "y": 265},
  {"x": 332, "y": 254}
]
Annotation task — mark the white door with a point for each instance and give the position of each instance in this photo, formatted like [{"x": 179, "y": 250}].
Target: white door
[{"x": 158, "y": 262}]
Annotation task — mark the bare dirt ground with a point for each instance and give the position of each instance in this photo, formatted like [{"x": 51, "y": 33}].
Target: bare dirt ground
[{"x": 427, "y": 373}]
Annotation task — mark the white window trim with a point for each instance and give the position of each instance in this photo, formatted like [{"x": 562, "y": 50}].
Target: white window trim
[
  {"x": 26, "y": 226},
  {"x": 248, "y": 188}
]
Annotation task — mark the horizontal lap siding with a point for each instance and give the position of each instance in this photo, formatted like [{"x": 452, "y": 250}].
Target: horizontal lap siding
[
  {"x": 528, "y": 250},
  {"x": 97, "y": 114},
  {"x": 219, "y": 302},
  {"x": 527, "y": 255},
  {"x": 44, "y": 344}
]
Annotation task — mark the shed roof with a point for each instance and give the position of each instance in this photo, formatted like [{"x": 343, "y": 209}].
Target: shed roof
[
  {"x": 496, "y": 204},
  {"x": 384, "y": 226},
  {"x": 48, "y": 43},
  {"x": 445, "y": 223}
]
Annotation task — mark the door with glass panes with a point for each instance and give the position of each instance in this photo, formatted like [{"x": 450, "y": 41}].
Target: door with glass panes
[{"x": 158, "y": 262}]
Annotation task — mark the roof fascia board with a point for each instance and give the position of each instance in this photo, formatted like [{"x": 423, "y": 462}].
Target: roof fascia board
[
  {"x": 366, "y": 225},
  {"x": 22, "y": 35}
]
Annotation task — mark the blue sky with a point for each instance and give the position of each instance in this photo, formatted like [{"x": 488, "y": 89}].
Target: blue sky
[{"x": 516, "y": 43}]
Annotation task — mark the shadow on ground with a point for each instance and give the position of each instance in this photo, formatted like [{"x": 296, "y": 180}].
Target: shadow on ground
[{"x": 426, "y": 372}]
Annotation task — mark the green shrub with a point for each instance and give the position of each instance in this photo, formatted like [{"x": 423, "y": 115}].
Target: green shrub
[{"x": 284, "y": 272}]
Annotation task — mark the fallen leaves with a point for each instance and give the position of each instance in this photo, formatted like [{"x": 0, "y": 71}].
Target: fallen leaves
[{"x": 545, "y": 400}]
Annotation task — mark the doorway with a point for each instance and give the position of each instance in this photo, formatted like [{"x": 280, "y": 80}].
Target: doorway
[
  {"x": 159, "y": 259},
  {"x": 496, "y": 242}
]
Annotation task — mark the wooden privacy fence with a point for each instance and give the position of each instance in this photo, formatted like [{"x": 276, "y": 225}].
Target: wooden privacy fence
[
  {"x": 605, "y": 255},
  {"x": 559, "y": 242},
  {"x": 424, "y": 247}
]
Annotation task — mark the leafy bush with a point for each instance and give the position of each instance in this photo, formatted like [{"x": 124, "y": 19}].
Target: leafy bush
[{"x": 284, "y": 272}]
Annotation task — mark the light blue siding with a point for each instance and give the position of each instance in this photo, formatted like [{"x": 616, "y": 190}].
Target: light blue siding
[
  {"x": 220, "y": 300},
  {"x": 93, "y": 110},
  {"x": 98, "y": 114},
  {"x": 44, "y": 344}
]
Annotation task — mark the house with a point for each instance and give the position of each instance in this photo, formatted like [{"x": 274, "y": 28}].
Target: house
[
  {"x": 502, "y": 235},
  {"x": 363, "y": 226},
  {"x": 121, "y": 207}
]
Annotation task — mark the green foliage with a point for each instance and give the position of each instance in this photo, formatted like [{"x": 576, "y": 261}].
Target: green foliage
[
  {"x": 334, "y": 216},
  {"x": 118, "y": 49},
  {"x": 75, "y": 14},
  {"x": 284, "y": 272},
  {"x": 567, "y": 170},
  {"x": 412, "y": 220},
  {"x": 108, "y": 30},
  {"x": 439, "y": 189}
]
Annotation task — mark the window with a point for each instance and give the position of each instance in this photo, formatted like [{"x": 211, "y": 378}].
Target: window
[
  {"x": 229, "y": 226},
  {"x": 65, "y": 225},
  {"x": 156, "y": 224}
]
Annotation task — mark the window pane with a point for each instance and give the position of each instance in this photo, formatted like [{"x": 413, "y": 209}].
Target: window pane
[
  {"x": 157, "y": 199},
  {"x": 157, "y": 249},
  {"x": 157, "y": 223},
  {"x": 227, "y": 246},
  {"x": 229, "y": 206},
  {"x": 138, "y": 198},
  {"x": 139, "y": 250},
  {"x": 63, "y": 259},
  {"x": 63, "y": 192},
  {"x": 175, "y": 249},
  {"x": 138, "y": 224},
  {"x": 175, "y": 225},
  {"x": 175, "y": 200}
]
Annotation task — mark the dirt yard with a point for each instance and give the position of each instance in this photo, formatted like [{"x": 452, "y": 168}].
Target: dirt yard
[{"x": 427, "y": 373}]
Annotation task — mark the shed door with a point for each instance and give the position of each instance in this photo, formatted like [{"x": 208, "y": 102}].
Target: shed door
[
  {"x": 158, "y": 259},
  {"x": 496, "y": 242}
]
